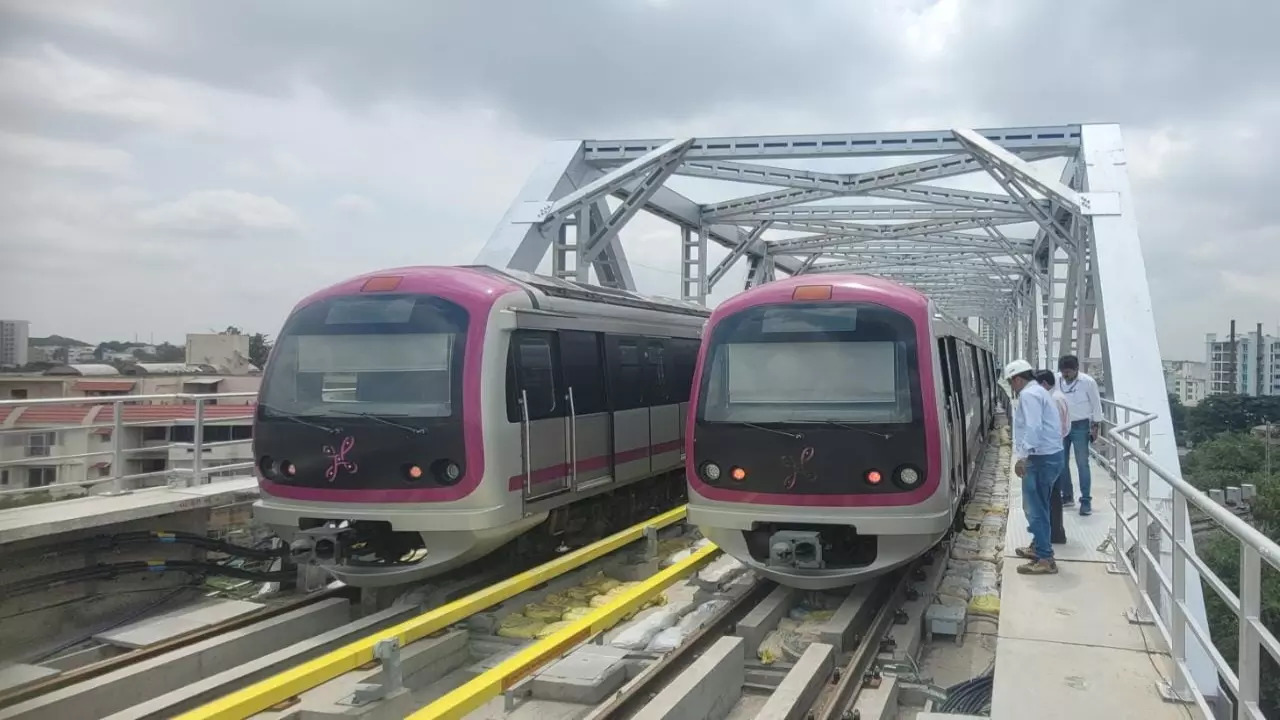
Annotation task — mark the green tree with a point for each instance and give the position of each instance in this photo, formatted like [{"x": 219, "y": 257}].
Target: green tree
[
  {"x": 1178, "y": 416},
  {"x": 1217, "y": 414},
  {"x": 1226, "y": 453},
  {"x": 259, "y": 349}
]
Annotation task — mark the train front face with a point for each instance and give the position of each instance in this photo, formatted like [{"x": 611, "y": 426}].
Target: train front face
[
  {"x": 814, "y": 450},
  {"x": 368, "y": 431}
]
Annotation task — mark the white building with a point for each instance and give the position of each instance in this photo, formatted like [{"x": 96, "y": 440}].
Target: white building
[
  {"x": 1187, "y": 380},
  {"x": 229, "y": 354},
  {"x": 1252, "y": 369},
  {"x": 14, "y": 335}
]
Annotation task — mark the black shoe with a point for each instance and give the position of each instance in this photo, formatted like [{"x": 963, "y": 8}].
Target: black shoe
[
  {"x": 1068, "y": 503},
  {"x": 1086, "y": 508}
]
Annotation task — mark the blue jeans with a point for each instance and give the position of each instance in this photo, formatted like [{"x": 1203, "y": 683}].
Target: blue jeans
[
  {"x": 1078, "y": 438},
  {"x": 1038, "y": 485}
]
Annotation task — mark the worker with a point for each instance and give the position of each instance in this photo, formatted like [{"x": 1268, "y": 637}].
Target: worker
[
  {"x": 1048, "y": 382},
  {"x": 1037, "y": 449},
  {"x": 1084, "y": 408}
]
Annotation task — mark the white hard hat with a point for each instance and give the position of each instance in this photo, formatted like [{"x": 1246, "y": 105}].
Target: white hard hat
[{"x": 1017, "y": 367}]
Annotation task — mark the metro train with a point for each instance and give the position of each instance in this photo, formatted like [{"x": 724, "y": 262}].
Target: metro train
[
  {"x": 413, "y": 420},
  {"x": 835, "y": 426}
]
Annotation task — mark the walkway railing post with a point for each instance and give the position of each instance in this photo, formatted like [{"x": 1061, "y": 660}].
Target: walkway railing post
[
  {"x": 197, "y": 447},
  {"x": 1177, "y": 605},
  {"x": 1141, "y": 538},
  {"x": 117, "y": 446},
  {"x": 1249, "y": 656}
]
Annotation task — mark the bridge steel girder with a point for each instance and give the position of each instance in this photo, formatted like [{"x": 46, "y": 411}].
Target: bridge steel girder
[{"x": 1045, "y": 265}]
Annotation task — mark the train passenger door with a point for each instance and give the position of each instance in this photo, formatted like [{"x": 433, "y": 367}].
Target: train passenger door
[
  {"x": 962, "y": 403},
  {"x": 588, "y": 426},
  {"x": 538, "y": 405},
  {"x": 984, "y": 403},
  {"x": 664, "y": 409},
  {"x": 955, "y": 439},
  {"x": 628, "y": 401}
]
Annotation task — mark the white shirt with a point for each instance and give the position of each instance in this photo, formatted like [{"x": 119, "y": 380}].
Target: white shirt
[
  {"x": 1061, "y": 400},
  {"x": 1037, "y": 424},
  {"x": 1083, "y": 400}
]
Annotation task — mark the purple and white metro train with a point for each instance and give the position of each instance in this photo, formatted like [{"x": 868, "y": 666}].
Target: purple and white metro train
[
  {"x": 416, "y": 419},
  {"x": 836, "y": 424}
]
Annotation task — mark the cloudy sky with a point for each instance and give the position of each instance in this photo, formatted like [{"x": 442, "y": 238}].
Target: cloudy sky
[{"x": 170, "y": 166}]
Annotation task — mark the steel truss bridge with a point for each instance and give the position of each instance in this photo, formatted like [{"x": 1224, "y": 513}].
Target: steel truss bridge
[{"x": 1044, "y": 260}]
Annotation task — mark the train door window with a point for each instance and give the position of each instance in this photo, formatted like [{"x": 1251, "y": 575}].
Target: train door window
[
  {"x": 655, "y": 373},
  {"x": 681, "y": 359},
  {"x": 944, "y": 361},
  {"x": 531, "y": 371},
  {"x": 977, "y": 372},
  {"x": 583, "y": 371},
  {"x": 626, "y": 373},
  {"x": 953, "y": 362}
]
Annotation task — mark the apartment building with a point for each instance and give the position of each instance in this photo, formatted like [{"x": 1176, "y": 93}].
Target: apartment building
[
  {"x": 14, "y": 335},
  {"x": 1249, "y": 366},
  {"x": 157, "y": 439},
  {"x": 1186, "y": 380}
]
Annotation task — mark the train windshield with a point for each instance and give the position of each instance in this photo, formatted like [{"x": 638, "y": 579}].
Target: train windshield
[
  {"x": 391, "y": 355},
  {"x": 845, "y": 363}
]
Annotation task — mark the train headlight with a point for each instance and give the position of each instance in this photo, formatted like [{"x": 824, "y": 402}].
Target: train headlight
[
  {"x": 267, "y": 466},
  {"x": 908, "y": 477},
  {"x": 288, "y": 468},
  {"x": 710, "y": 471},
  {"x": 874, "y": 477},
  {"x": 447, "y": 471}
]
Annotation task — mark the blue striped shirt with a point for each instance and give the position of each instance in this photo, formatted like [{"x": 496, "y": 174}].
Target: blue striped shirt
[{"x": 1037, "y": 428}]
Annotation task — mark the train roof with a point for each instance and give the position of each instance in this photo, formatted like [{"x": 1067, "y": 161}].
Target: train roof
[{"x": 570, "y": 289}]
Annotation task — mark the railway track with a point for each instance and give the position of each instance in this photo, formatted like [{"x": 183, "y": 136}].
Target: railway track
[
  {"x": 686, "y": 635},
  {"x": 321, "y": 633}
]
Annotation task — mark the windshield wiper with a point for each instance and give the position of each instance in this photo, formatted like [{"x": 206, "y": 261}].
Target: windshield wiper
[
  {"x": 846, "y": 426},
  {"x": 792, "y": 435},
  {"x": 384, "y": 421},
  {"x": 276, "y": 412}
]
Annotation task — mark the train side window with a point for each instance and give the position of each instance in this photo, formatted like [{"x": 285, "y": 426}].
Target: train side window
[
  {"x": 626, "y": 373},
  {"x": 583, "y": 370},
  {"x": 681, "y": 359},
  {"x": 531, "y": 368}
]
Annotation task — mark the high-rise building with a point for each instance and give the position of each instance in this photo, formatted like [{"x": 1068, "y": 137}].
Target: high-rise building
[
  {"x": 1246, "y": 363},
  {"x": 13, "y": 342}
]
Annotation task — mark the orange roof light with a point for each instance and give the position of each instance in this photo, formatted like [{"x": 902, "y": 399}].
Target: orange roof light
[
  {"x": 873, "y": 477},
  {"x": 811, "y": 292},
  {"x": 381, "y": 283}
]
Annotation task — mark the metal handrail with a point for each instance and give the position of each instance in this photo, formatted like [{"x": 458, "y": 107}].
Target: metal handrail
[
  {"x": 1129, "y": 440},
  {"x": 123, "y": 482}
]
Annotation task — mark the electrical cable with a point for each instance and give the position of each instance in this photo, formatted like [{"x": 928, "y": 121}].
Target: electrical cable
[{"x": 122, "y": 621}]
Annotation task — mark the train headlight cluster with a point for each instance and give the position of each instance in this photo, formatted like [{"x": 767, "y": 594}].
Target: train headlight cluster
[
  {"x": 710, "y": 472},
  {"x": 908, "y": 477}
]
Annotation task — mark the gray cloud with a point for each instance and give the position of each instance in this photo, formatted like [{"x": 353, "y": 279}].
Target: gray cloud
[{"x": 128, "y": 122}]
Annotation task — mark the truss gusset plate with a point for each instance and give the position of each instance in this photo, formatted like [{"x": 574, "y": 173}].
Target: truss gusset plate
[{"x": 639, "y": 194}]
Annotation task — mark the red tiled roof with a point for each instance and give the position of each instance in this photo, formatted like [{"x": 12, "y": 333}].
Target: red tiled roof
[
  {"x": 54, "y": 414},
  {"x": 104, "y": 385},
  {"x": 4, "y": 412}
]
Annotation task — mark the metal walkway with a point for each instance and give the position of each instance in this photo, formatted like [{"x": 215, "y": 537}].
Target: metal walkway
[{"x": 1065, "y": 645}]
